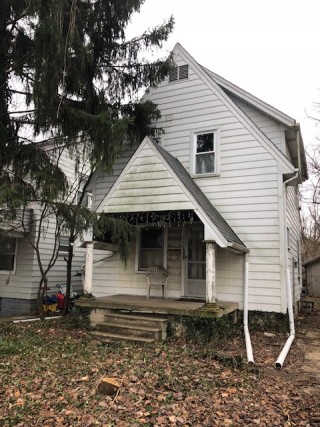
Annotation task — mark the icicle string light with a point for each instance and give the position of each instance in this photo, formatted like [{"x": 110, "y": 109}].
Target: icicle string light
[{"x": 158, "y": 219}]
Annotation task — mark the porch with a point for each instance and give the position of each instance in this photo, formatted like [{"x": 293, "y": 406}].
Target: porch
[{"x": 161, "y": 306}]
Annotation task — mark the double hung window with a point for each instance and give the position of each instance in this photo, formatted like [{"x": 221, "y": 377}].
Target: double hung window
[
  {"x": 205, "y": 153},
  {"x": 151, "y": 248},
  {"x": 7, "y": 253}
]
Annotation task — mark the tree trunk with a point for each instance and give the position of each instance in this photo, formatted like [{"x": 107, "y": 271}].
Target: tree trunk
[
  {"x": 69, "y": 270},
  {"x": 42, "y": 290}
]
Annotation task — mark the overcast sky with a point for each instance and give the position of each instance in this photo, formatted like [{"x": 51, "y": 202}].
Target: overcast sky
[{"x": 271, "y": 48}]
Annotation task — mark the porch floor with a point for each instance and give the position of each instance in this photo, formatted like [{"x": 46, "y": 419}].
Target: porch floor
[{"x": 157, "y": 305}]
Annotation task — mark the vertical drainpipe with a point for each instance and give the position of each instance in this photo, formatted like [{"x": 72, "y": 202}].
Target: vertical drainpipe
[
  {"x": 245, "y": 312},
  {"x": 287, "y": 345}
]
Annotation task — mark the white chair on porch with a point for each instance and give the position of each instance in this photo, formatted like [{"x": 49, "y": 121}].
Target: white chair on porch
[{"x": 157, "y": 276}]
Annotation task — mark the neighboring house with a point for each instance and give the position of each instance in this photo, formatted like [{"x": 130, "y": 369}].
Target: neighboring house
[
  {"x": 19, "y": 270},
  {"x": 216, "y": 197},
  {"x": 312, "y": 276}
]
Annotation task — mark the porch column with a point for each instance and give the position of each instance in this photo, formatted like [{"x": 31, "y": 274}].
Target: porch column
[
  {"x": 87, "y": 285},
  {"x": 211, "y": 292}
]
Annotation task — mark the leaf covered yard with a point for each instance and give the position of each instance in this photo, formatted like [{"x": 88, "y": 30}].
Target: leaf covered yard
[{"x": 50, "y": 372}]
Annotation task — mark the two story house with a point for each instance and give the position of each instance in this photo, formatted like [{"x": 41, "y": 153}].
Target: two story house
[{"x": 215, "y": 197}]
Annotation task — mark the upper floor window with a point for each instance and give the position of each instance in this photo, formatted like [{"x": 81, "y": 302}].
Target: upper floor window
[
  {"x": 85, "y": 197},
  {"x": 8, "y": 246},
  {"x": 179, "y": 73},
  {"x": 205, "y": 153}
]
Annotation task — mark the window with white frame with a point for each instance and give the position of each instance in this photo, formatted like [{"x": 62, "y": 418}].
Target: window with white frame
[
  {"x": 205, "y": 153},
  {"x": 63, "y": 245},
  {"x": 151, "y": 248},
  {"x": 8, "y": 249}
]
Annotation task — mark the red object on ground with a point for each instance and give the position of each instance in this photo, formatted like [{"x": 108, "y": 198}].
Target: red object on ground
[{"x": 60, "y": 301}]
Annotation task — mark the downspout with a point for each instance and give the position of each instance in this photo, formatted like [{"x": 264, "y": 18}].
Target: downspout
[
  {"x": 245, "y": 313},
  {"x": 282, "y": 356},
  {"x": 298, "y": 147},
  {"x": 286, "y": 347}
]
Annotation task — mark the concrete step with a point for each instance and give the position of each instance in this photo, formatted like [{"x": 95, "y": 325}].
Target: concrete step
[
  {"x": 132, "y": 330},
  {"x": 108, "y": 337},
  {"x": 136, "y": 319},
  {"x": 138, "y": 327}
]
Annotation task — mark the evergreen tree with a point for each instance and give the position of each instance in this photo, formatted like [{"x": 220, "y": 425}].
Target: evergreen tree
[
  {"x": 69, "y": 63},
  {"x": 77, "y": 78}
]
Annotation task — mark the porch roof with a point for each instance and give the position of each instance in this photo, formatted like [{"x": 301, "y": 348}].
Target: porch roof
[
  {"x": 216, "y": 218},
  {"x": 153, "y": 180}
]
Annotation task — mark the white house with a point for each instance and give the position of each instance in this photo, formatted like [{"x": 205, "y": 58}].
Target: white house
[
  {"x": 215, "y": 197},
  {"x": 19, "y": 269}
]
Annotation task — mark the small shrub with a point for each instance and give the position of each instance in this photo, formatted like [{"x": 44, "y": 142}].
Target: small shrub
[
  {"x": 203, "y": 329},
  {"x": 261, "y": 321}
]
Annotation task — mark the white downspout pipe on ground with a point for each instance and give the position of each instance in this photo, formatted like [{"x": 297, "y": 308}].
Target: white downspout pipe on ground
[
  {"x": 282, "y": 356},
  {"x": 289, "y": 341},
  {"x": 245, "y": 312}
]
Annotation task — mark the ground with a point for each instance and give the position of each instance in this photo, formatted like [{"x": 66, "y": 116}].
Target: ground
[{"x": 49, "y": 373}]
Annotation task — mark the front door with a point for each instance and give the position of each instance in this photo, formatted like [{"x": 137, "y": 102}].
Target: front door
[{"x": 195, "y": 255}]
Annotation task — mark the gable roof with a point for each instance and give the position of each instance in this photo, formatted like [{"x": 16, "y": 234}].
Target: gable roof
[
  {"x": 286, "y": 166},
  {"x": 222, "y": 88},
  {"x": 197, "y": 200}
]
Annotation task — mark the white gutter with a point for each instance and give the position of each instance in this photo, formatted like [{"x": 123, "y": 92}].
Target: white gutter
[
  {"x": 245, "y": 313},
  {"x": 237, "y": 247},
  {"x": 282, "y": 356},
  {"x": 298, "y": 149}
]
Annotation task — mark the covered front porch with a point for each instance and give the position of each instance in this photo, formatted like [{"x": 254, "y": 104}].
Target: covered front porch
[{"x": 179, "y": 230}]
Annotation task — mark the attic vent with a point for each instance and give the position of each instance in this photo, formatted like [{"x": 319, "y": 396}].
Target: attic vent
[
  {"x": 183, "y": 72},
  {"x": 173, "y": 74},
  {"x": 179, "y": 73}
]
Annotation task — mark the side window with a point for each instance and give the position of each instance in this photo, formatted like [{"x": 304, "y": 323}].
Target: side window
[
  {"x": 86, "y": 197},
  {"x": 8, "y": 246},
  {"x": 205, "y": 153},
  {"x": 151, "y": 248},
  {"x": 63, "y": 245}
]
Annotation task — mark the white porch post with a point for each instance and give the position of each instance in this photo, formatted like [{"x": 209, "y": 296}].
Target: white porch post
[
  {"x": 87, "y": 285},
  {"x": 211, "y": 292}
]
